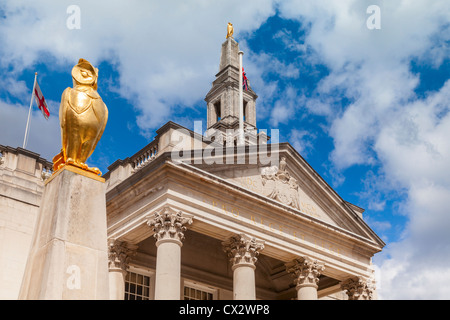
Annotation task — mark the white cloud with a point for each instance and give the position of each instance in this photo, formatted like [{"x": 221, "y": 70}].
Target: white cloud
[
  {"x": 14, "y": 88},
  {"x": 44, "y": 137},
  {"x": 284, "y": 108},
  {"x": 290, "y": 41},
  {"x": 302, "y": 141}
]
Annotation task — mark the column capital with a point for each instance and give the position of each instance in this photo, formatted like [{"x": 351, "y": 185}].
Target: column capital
[
  {"x": 169, "y": 225},
  {"x": 119, "y": 254},
  {"x": 306, "y": 271},
  {"x": 243, "y": 250},
  {"x": 358, "y": 288}
]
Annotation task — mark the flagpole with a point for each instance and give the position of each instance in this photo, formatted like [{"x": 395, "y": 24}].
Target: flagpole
[
  {"x": 25, "y": 139},
  {"x": 241, "y": 102}
]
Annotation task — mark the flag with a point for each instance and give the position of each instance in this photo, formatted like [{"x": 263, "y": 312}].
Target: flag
[
  {"x": 40, "y": 100},
  {"x": 244, "y": 80}
]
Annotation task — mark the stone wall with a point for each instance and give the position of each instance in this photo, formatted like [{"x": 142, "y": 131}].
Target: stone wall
[{"x": 22, "y": 175}]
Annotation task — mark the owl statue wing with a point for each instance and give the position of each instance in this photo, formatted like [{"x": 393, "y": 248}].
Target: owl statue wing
[
  {"x": 62, "y": 115},
  {"x": 103, "y": 124}
]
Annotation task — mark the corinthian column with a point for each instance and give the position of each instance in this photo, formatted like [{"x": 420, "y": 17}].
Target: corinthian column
[
  {"x": 358, "y": 289},
  {"x": 243, "y": 251},
  {"x": 306, "y": 272},
  {"x": 168, "y": 226},
  {"x": 119, "y": 254}
]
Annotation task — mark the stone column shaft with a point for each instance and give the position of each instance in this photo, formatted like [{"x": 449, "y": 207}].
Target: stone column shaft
[
  {"x": 244, "y": 283},
  {"x": 116, "y": 284},
  {"x": 168, "y": 226},
  {"x": 168, "y": 271},
  {"x": 119, "y": 255}
]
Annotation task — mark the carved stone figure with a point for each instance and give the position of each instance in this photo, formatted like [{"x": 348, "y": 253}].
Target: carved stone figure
[
  {"x": 83, "y": 117},
  {"x": 283, "y": 164},
  {"x": 279, "y": 185}
]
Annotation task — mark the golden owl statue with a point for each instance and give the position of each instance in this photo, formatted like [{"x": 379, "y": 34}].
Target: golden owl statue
[
  {"x": 230, "y": 30},
  {"x": 82, "y": 116}
]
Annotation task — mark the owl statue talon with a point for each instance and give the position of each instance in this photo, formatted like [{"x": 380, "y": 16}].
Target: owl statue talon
[
  {"x": 84, "y": 166},
  {"x": 96, "y": 171},
  {"x": 83, "y": 116}
]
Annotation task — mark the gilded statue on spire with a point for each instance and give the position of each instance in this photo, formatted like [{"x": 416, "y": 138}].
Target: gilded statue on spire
[
  {"x": 230, "y": 30},
  {"x": 83, "y": 117}
]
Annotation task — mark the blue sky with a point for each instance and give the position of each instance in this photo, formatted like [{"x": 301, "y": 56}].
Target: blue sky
[{"x": 367, "y": 108}]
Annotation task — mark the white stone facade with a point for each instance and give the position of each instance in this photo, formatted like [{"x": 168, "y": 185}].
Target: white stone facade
[
  {"x": 223, "y": 206},
  {"x": 22, "y": 175}
]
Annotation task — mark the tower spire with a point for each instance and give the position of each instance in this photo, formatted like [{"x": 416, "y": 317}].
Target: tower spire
[{"x": 223, "y": 103}]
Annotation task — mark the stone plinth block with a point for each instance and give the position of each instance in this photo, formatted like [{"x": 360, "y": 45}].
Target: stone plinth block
[{"x": 68, "y": 258}]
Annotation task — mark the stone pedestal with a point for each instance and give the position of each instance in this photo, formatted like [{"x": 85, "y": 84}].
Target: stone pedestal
[{"x": 68, "y": 258}]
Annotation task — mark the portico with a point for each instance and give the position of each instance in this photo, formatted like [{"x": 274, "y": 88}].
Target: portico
[
  {"x": 225, "y": 235},
  {"x": 262, "y": 227}
]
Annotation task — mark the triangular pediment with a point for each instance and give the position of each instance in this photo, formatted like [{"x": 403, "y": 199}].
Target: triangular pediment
[
  {"x": 291, "y": 183},
  {"x": 295, "y": 184}
]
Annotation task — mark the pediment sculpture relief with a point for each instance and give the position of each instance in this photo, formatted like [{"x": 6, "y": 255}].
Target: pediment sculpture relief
[{"x": 279, "y": 185}]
